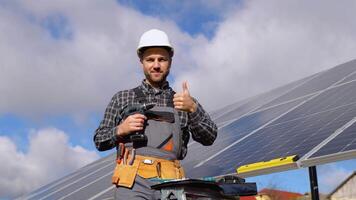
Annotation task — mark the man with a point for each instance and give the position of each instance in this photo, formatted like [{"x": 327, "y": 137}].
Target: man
[{"x": 150, "y": 124}]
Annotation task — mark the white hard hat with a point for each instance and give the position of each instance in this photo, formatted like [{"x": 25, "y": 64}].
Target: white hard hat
[{"x": 154, "y": 38}]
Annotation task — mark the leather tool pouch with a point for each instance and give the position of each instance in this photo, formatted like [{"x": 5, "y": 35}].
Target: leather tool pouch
[
  {"x": 124, "y": 175},
  {"x": 164, "y": 170},
  {"x": 148, "y": 170},
  {"x": 170, "y": 170}
]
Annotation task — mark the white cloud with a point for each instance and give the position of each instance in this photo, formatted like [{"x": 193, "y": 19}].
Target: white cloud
[
  {"x": 258, "y": 46},
  {"x": 331, "y": 176},
  {"x": 45, "y": 75},
  {"x": 264, "y": 44},
  {"x": 49, "y": 157}
]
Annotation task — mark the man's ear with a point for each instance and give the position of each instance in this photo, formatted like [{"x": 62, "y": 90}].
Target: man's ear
[
  {"x": 170, "y": 61},
  {"x": 141, "y": 59}
]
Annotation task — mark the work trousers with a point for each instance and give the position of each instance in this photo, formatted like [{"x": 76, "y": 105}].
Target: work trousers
[{"x": 140, "y": 190}]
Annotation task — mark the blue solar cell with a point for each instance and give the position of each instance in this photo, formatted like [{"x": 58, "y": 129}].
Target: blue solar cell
[
  {"x": 53, "y": 188},
  {"x": 297, "y": 132},
  {"x": 328, "y": 100},
  {"x": 221, "y": 111},
  {"x": 352, "y": 77},
  {"x": 345, "y": 141},
  {"x": 235, "y": 131},
  {"x": 89, "y": 189},
  {"x": 237, "y": 110},
  {"x": 295, "y": 137},
  {"x": 235, "y": 113},
  {"x": 108, "y": 195},
  {"x": 320, "y": 82},
  {"x": 351, "y": 147},
  {"x": 80, "y": 182}
]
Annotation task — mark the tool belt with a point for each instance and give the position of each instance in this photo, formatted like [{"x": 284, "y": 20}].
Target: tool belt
[{"x": 146, "y": 167}]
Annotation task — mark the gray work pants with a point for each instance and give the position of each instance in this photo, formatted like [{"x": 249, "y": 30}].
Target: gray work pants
[{"x": 140, "y": 190}]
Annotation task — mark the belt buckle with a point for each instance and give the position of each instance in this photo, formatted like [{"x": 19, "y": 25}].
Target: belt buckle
[{"x": 148, "y": 161}]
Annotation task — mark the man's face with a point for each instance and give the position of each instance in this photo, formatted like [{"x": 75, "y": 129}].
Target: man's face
[{"x": 156, "y": 63}]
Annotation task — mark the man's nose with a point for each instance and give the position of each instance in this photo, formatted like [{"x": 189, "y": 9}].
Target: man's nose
[{"x": 156, "y": 64}]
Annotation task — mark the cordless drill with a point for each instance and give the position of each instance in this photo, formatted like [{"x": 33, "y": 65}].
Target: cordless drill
[{"x": 137, "y": 137}]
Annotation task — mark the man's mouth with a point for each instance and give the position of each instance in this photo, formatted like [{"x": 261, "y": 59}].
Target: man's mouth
[{"x": 156, "y": 73}]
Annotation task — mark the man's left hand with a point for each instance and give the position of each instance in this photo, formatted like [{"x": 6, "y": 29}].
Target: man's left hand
[{"x": 183, "y": 101}]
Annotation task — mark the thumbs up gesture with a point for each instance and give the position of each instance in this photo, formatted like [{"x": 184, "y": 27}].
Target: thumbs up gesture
[{"x": 183, "y": 101}]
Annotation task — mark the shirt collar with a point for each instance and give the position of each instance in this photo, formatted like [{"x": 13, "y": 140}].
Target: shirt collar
[{"x": 147, "y": 87}]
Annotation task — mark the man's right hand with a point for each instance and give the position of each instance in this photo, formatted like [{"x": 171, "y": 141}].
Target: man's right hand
[{"x": 131, "y": 124}]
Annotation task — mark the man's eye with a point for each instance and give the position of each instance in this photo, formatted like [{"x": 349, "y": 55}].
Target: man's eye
[
  {"x": 162, "y": 59},
  {"x": 149, "y": 60}
]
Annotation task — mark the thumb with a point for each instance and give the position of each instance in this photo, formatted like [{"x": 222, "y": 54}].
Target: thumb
[{"x": 185, "y": 87}]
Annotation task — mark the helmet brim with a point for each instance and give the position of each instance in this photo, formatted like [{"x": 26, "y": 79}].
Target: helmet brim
[{"x": 141, "y": 50}]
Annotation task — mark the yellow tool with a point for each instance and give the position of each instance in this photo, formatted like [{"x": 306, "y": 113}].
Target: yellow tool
[{"x": 267, "y": 164}]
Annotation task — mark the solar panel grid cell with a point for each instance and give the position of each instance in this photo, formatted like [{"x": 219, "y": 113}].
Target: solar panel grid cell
[
  {"x": 90, "y": 179},
  {"x": 345, "y": 141},
  {"x": 62, "y": 183},
  {"x": 328, "y": 100},
  {"x": 107, "y": 194},
  {"x": 77, "y": 181},
  {"x": 350, "y": 147},
  {"x": 319, "y": 82},
  {"x": 319, "y": 131},
  {"x": 220, "y": 112},
  {"x": 352, "y": 77},
  {"x": 254, "y": 104},
  {"x": 86, "y": 190}
]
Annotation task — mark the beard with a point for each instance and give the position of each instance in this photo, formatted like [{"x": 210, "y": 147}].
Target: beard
[{"x": 156, "y": 79}]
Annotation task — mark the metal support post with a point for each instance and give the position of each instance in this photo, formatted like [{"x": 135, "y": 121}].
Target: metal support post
[{"x": 313, "y": 183}]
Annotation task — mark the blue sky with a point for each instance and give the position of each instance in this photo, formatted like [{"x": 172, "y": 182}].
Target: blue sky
[
  {"x": 62, "y": 63},
  {"x": 192, "y": 17}
]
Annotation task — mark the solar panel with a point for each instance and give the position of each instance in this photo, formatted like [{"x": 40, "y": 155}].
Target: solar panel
[
  {"x": 345, "y": 141},
  {"x": 66, "y": 185},
  {"x": 295, "y": 137},
  {"x": 350, "y": 78},
  {"x": 220, "y": 112},
  {"x": 319, "y": 82},
  {"x": 229, "y": 113},
  {"x": 87, "y": 187},
  {"x": 313, "y": 118},
  {"x": 297, "y": 132},
  {"x": 233, "y": 132}
]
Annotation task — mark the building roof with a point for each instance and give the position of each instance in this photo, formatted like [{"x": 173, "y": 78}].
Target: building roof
[
  {"x": 342, "y": 184},
  {"x": 248, "y": 198},
  {"x": 279, "y": 194}
]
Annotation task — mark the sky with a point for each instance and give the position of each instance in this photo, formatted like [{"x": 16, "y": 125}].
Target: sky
[{"x": 61, "y": 62}]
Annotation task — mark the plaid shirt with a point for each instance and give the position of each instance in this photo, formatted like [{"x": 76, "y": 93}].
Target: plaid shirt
[{"x": 199, "y": 124}]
